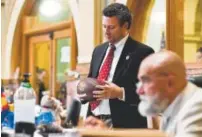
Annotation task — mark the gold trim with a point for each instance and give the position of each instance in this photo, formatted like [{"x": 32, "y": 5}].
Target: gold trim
[
  {"x": 147, "y": 20},
  {"x": 98, "y": 37},
  {"x": 49, "y": 28},
  {"x": 175, "y": 26},
  {"x": 192, "y": 38}
]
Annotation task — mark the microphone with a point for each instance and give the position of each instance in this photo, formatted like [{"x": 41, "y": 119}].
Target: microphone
[
  {"x": 73, "y": 114},
  {"x": 25, "y": 128}
]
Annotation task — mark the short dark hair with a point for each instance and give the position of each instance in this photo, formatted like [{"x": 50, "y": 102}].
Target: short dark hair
[
  {"x": 199, "y": 50},
  {"x": 120, "y": 11},
  {"x": 39, "y": 70}
]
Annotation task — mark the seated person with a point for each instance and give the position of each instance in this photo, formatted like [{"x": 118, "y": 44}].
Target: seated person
[
  {"x": 65, "y": 88},
  {"x": 199, "y": 55},
  {"x": 197, "y": 80},
  {"x": 164, "y": 90},
  {"x": 41, "y": 73}
]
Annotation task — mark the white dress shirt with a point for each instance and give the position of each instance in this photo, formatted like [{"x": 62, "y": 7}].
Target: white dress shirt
[{"x": 104, "y": 108}]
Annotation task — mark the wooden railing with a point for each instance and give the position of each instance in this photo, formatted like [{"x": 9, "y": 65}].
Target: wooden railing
[{"x": 194, "y": 69}]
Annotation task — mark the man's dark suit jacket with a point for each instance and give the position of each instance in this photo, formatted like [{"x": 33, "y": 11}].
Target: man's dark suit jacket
[{"x": 124, "y": 114}]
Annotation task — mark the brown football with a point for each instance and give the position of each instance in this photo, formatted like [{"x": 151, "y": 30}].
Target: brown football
[{"x": 87, "y": 86}]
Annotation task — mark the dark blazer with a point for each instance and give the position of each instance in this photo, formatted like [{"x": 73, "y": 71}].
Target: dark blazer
[
  {"x": 124, "y": 114},
  {"x": 42, "y": 88}
]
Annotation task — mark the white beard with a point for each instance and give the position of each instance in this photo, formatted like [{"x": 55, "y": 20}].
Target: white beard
[{"x": 151, "y": 105}]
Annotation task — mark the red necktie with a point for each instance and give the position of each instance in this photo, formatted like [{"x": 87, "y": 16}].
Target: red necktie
[{"x": 104, "y": 72}]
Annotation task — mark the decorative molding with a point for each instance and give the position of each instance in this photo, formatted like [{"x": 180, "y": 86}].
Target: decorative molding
[
  {"x": 14, "y": 18},
  {"x": 48, "y": 28},
  {"x": 98, "y": 34},
  {"x": 175, "y": 26},
  {"x": 141, "y": 10},
  {"x": 194, "y": 69},
  {"x": 192, "y": 38}
]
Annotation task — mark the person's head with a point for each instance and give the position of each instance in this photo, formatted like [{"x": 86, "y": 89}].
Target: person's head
[
  {"x": 41, "y": 73},
  {"x": 162, "y": 77},
  {"x": 116, "y": 22},
  {"x": 199, "y": 55},
  {"x": 71, "y": 75}
]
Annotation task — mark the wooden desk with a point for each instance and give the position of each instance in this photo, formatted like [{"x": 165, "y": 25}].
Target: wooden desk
[
  {"x": 101, "y": 133},
  {"x": 122, "y": 133}
]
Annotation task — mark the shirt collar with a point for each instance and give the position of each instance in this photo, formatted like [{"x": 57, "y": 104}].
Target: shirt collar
[{"x": 121, "y": 42}]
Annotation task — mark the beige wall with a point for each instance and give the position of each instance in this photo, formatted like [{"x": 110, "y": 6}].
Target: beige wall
[
  {"x": 83, "y": 14},
  {"x": 121, "y": 1},
  {"x": 86, "y": 30},
  {"x": 157, "y": 24},
  {"x": 192, "y": 40},
  {"x": 189, "y": 16}
]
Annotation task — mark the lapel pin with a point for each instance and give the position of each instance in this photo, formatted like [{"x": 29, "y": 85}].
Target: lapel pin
[{"x": 127, "y": 57}]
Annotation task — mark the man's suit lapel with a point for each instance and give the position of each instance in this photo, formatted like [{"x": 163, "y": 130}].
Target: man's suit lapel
[
  {"x": 100, "y": 58},
  {"x": 125, "y": 55}
]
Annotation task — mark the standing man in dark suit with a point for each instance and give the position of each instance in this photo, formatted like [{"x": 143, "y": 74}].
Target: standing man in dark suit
[{"x": 117, "y": 62}]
